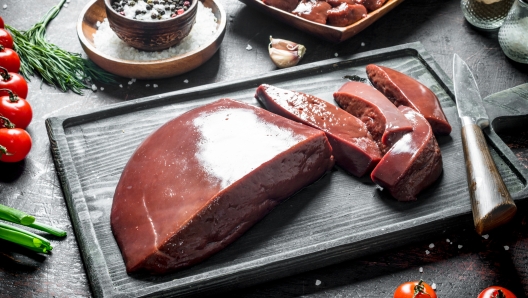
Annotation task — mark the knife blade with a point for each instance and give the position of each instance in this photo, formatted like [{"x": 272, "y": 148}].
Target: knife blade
[{"x": 491, "y": 202}]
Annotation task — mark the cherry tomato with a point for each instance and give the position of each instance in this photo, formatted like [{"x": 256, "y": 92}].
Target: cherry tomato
[
  {"x": 14, "y": 82},
  {"x": 414, "y": 289},
  {"x": 6, "y": 39},
  {"x": 2, "y": 23},
  {"x": 16, "y": 109},
  {"x": 15, "y": 144},
  {"x": 9, "y": 59},
  {"x": 496, "y": 292}
]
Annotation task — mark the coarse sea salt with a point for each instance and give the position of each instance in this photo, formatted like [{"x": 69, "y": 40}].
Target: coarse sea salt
[{"x": 203, "y": 31}]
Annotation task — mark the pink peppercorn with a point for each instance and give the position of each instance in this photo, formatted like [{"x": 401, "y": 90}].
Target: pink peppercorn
[
  {"x": 180, "y": 11},
  {"x": 186, "y": 3}
]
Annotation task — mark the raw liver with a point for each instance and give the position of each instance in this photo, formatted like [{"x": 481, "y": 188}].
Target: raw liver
[
  {"x": 405, "y": 90},
  {"x": 336, "y": 3},
  {"x": 287, "y": 5},
  {"x": 384, "y": 121},
  {"x": 413, "y": 163},
  {"x": 346, "y": 14},
  {"x": 372, "y": 5},
  {"x": 353, "y": 147},
  {"x": 204, "y": 178},
  {"x": 315, "y": 11}
]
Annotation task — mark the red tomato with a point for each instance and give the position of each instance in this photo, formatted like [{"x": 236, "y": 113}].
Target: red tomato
[
  {"x": 16, "y": 109},
  {"x": 9, "y": 59},
  {"x": 6, "y": 39},
  {"x": 414, "y": 289},
  {"x": 1, "y": 23},
  {"x": 14, "y": 82},
  {"x": 496, "y": 292},
  {"x": 15, "y": 144}
]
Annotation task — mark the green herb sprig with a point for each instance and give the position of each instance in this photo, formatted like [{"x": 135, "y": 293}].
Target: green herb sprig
[{"x": 56, "y": 67}]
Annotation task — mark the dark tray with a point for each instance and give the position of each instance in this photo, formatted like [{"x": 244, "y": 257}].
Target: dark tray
[{"x": 339, "y": 217}]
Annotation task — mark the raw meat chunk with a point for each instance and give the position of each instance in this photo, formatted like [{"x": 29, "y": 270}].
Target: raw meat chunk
[
  {"x": 372, "y": 5},
  {"x": 287, "y": 5},
  {"x": 346, "y": 14},
  {"x": 405, "y": 90},
  {"x": 384, "y": 121},
  {"x": 336, "y": 3},
  {"x": 353, "y": 147},
  {"x": 201, "y": 180},
  {"x": 315, "y": 11},
  {"x": 413, "y": 163}
]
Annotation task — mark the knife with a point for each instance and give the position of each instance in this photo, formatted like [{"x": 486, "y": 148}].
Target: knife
[{"x": 491, "y": 202}]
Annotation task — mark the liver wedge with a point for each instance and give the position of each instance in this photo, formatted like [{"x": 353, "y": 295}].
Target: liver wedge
[
  {"x": 413, "y": 163},
  {"x": 405, "y": 90},
  {"x": 384, "y": 121},
  {"x": 353, "y": 147},
  {"x": 202, "y": 179}
]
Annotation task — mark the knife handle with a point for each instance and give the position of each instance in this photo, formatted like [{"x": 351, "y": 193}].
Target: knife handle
[{"x": 490, "y": 200}]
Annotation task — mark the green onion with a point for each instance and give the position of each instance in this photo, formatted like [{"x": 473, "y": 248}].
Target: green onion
[
  {"x": 56, "y": 67},
  {"x": 48, "y": 229},
  {"x": 24, "y": 238},
  {"x": 16, "y": 216}
]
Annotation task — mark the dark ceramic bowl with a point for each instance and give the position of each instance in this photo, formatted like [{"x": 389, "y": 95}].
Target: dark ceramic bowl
[{"x": 152, "y": 35}]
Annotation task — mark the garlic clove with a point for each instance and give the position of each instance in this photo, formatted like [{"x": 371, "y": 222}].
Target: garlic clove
[{"x": 285, "y": 53}]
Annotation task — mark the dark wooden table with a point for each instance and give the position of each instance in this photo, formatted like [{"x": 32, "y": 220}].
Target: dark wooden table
[{"x": 461, "y": 263}]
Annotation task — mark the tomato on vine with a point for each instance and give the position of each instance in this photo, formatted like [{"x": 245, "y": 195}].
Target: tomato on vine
[
  {"x": 414, "y": 289},
  {"x": 16, "y": 109},
  {"x": 6, "y": 39},
  {"x": 9, "y": 59},
  {"x": 496, "y": 292},
  {"x": 15, "y": 143},
  {"x": 13, "y": 82}
]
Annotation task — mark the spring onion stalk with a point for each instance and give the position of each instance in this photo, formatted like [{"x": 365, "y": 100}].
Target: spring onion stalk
[
  {"x": 25, "y": 238},
  {"x": 56, "y": 67},
  {"x": 15, "y": 216},
  {"x": 48, "y": 229}
]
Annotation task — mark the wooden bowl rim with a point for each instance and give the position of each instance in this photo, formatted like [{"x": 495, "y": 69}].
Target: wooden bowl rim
[{"x": 220, "y": 30}]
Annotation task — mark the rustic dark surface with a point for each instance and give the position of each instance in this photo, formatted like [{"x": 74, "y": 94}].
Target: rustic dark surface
[{"x": 33, "y": 185}]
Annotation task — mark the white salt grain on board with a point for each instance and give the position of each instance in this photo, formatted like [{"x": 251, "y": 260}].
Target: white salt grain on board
[
  {"x": 147, "y": 85},
  {"x": 427, "y": 252},
  {"x": 94, "y": 88},
  {"x": 155, "y": 85},
  {"x": 5, "y": 6},
  {"x": 433, "y": 286},
  {"x": 336, "y": 54},
  {"x": 317, "y": 282},
  {"x": 65, "y": 5},
  {"x": 421, "y": 269},
  {"x": 431, "y": 245},
  {"x": 485, "y": 236},
  {"x": 447, "y": 240},
  {"x": 120, "y": 85},
  {"x": 102, "y": 88},
  {"x": 130, "y": 82},
  {"x": 249, "y": 48},
  {"x": 186, "y": 81},
  {"x": 362, "y": 44},
  {"x": 506, "y": 247},
  {"x": 460, "y": 246},
  {"x": 203, "y": 31}
]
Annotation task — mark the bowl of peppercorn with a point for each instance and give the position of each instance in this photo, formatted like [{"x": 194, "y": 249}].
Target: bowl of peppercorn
[{"x": 151, "y": 25}]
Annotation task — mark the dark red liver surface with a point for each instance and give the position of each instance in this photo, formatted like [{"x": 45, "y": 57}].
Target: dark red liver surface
[
  {"x": 384, "y": 121},
  {"x": 372, "y": 5},
  {"x": 346, "y": 14},
  {"x": 405, "y": 90},
  {"x": 313, "y": 10},
  {"x": 287, "y": 5},
  {"x": 202, "y": 179},
  {"x": 353, "y": 147},
  {"x": 413, "y": 163}
]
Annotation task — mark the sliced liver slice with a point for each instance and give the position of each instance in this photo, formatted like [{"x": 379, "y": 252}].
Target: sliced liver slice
[
  {"x": 372, "y": 5},
  {"x": 315, "y": 11},
  {"x": 413, "y": 163},
  {"x": 353, "y": 147},
  {"x": 346, "y": 14},
  {"x": 384, "y": 121},
  {"x": 202, "y": 179},
  {"x": 287, "y": 5},
  {"x": 405, "y": 90}
]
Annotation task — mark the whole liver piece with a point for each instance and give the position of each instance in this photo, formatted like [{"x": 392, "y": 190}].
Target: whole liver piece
[
  {"x": 413, "y": 163},
  {"x": 313, "y": 10},
  {"x": 346, "y": 14},
  {"x": 353, "y": 147},
  {"x": 204, "y": 178},
  {"x": 384, "y": 121},
  {"x": 405, "y": 90}
]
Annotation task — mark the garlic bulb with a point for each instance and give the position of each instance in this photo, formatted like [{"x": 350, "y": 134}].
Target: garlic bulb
[{"x": 285, "y": 53}]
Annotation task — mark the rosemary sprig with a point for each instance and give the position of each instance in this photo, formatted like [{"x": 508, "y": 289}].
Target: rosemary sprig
[{"x": 56, "y": 67}]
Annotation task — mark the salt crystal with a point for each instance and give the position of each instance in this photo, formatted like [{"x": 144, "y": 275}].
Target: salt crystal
[
  {"x": 65, "y": 5},
  {"x": 427, "y": 252},
  {"x": 336, "y": 54},
  {"x": 94, "y": 88},
  {"x": 362, "y": 44},
  {"x": 186, "y": 81},
  {"x": 460, "y": 246},
  {"x": 431, "y": 245},
  {"x": 102, "y": 88},
  {"x": 421, "y": 269},
  {"x": 68, "y": 1},
  {"x": 120, "y": 85},
  {"x": 317, "y": 282},
  {"x": 433, "y": 286},
  {"x": 155, "y": 85},
  {"x": 133, "y": 80},
  {"x": 506, "y": 247},
  {"x": 147, "y": 85},
  {"x": 130, "y": 82},
  {"x": 5, "y": 6},
  {"x": 485, "y": 236},
  {"x": 447, "y": 240},
  {"x": 249, "y": 48}
]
